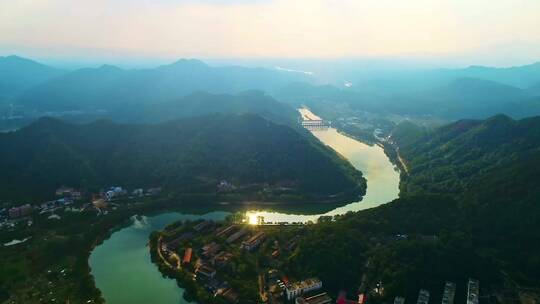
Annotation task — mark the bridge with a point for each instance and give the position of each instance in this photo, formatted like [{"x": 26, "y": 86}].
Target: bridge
[{"x": 316, "y": 124}]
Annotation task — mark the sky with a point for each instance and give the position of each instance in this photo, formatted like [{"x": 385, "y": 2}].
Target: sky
[{"x": 501, "y": 32}]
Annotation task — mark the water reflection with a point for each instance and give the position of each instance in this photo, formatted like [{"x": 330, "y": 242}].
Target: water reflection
[{"x": 381, "y": 175}]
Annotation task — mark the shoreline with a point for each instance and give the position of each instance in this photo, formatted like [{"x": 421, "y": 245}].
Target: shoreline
[{"x": 238, "y": 201}]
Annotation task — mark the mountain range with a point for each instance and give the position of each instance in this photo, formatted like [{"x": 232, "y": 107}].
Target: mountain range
[
  {"x": 457, "y": 99},
  {"x": 36, "y": 90},
  {"x": 108, "y": 86},
  {"x": 19, "y": 74}
]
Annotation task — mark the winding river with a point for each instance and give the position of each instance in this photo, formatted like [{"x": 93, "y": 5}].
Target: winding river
[{"x": 122, "y": 268}]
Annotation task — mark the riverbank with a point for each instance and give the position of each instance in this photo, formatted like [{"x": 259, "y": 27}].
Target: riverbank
[
  {"x": 112, "y": 275},
  {"x": 57, "y": 254},
  {"x": 222, "y": 262},
  {"x": 74, "y": 236}
]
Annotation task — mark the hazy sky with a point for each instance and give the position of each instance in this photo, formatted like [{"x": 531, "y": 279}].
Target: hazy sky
[{"x": 505, "y": 31}]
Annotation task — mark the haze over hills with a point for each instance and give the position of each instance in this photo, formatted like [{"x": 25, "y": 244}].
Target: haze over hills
[
  {"x": 460, "y": 98},
  {"x": 417, "y": 79},
  {"x": 474, "y": 92},
  {"x": 18, "y": 74},
  {"x": 202, "y": 103},
  {"x": 183, "y": 156},
  {"x": 109, "y": 86}
]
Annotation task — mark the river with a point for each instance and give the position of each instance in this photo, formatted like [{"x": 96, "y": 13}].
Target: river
[{"x": 122, "y": 268}]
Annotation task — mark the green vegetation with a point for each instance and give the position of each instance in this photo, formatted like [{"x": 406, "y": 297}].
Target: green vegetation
[
  {"x": 468, "y": 208},
  {"x": 257, "y": 159},
  {"x": 53, "y": 262}
]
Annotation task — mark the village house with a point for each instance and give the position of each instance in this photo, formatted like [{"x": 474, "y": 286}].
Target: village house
[
  {"x": 401, "y": 300},
  {"x": 225, "y": 231},
  {"x": 138, "y": 192},
  {"x": 230, "y": 295},
  {"x": 423, "y": 297},
  {"x": 235, "y": 236},
  {"x": 299, "y": 288},
  {"x": 19, "y": 211},
  {"x": 253, "y": 242},
  {"x": 153, "y": 191},
  {"x": 210, "y": 250},
  {"x": 221, "y": 259},
  {"x": 202, "y": 226},
  {"x": 321, "y": 298},
  {"x": 473, "y": 291},
  {"x": 114, "y": 192},
  {"x": 187, "y": 256},
  {"x": 449, "y": 293},
  {"x": 206, "y": 272},
  {"x": 173, "y": 244}
]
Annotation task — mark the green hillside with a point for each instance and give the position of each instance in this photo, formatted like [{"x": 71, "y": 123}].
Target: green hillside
[
  {"x": 469, "y": 208},
  {"x": 183, "y": 156}
]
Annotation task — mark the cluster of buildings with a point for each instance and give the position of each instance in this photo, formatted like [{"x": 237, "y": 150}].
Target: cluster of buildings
[
  {"x": 19, "y": 211},
  {"x": 103, "y": 198},
  {"x": 296, "y": 291},
  {"x": 473, "y": 292},
  {"x": 68, "y": 192},
  {"x": 214, "y": 257},
  {"x": 66, "y": 196},
  {"x": 206, "y": 261},
  {"x": 116, "y": 192},
  {"x": 225, "y": 186},
  {"x": 113, "y": 193}
]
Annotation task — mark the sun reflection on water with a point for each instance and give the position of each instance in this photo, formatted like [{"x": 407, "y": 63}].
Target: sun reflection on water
[{"x": 254, "y": 218}]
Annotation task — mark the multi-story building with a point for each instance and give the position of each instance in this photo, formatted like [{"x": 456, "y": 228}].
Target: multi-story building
[
  {"x": 473, "y": 291},
  {"x": 423, "y": 297},
  {"x": 299, "y": 288},
  {"x": 449, "y": 293}
]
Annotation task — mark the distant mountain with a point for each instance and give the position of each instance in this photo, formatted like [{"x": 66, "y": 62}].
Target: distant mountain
[
  {"x": 108, "y": 87},
  {"x": 182, "y": 156},
  {"x": 534, "y": 90},
  {"x": 18, "y": 74},
  {"x": 460, "y": 98},
  {"x": 201, "y": 103},
  {"x": 474, "y": 98},
  {"x": 410, "y": 80},
  {"x": 519, "y": 76}
]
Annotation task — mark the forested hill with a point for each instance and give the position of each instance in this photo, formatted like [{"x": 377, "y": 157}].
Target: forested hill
[
  {"x": 183, "y": 156},
  {"x": 469, "y": 208},
  {"x": 495, "y": 157}
]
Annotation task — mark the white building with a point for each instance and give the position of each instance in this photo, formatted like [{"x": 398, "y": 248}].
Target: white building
[{"x": 298, "y": 288}]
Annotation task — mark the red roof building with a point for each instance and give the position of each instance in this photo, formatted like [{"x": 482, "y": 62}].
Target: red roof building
[{"x": 187, "y": 256}]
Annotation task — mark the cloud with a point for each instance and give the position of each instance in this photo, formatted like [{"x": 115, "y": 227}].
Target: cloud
[{"x": 264, "y": 28}]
